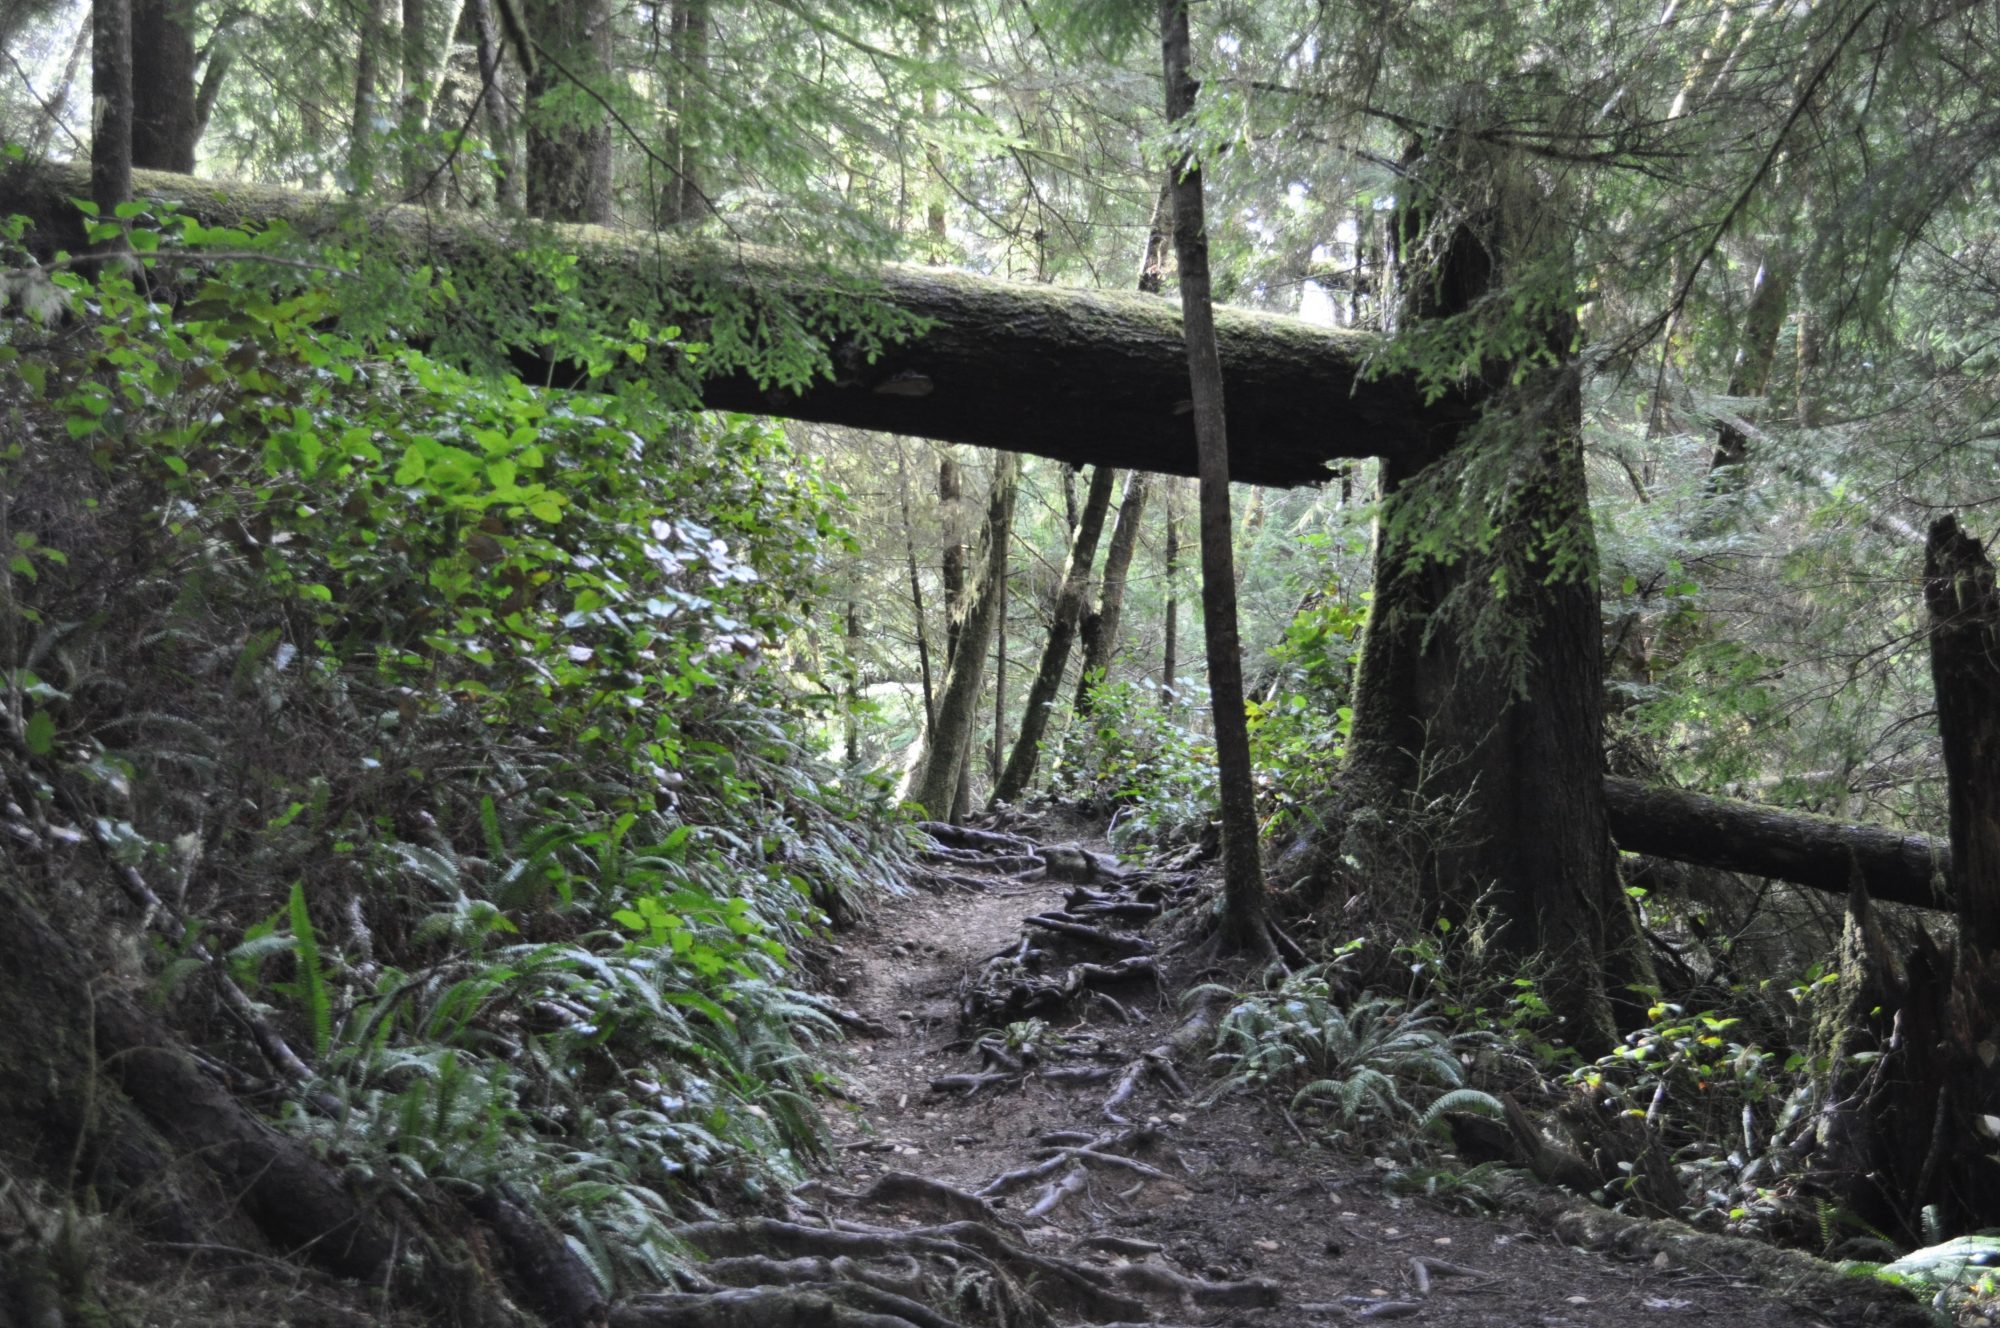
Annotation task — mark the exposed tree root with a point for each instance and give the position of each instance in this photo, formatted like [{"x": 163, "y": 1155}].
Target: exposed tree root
[
  {"x": 1057, "y": 1282},
  {"x": 832, "y": 1305}
]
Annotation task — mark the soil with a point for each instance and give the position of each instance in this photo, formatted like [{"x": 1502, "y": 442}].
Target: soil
[{"x": 1239, "y": 1193}]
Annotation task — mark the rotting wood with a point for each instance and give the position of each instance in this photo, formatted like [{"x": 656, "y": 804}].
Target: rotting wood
[{"x": 1087, "y": 377}]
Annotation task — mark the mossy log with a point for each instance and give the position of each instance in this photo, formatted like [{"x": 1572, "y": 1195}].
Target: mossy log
[
  {"x": 1086, "y": 377},
  {"x": 1790, "y": 846}
]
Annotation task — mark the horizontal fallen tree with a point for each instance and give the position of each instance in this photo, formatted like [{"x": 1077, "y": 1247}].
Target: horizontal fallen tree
[
  {"x": 1085, "y": 377},
  {"x": 1762, "y": 841}
]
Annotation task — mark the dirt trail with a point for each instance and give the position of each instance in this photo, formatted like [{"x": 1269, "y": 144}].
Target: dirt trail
[{"x": 1223, "y": 1214}]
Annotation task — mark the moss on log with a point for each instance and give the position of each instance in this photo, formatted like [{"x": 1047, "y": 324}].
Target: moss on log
[
  {"x": 1086, "y": 377},
  {"x": 1790, "y": 846}
]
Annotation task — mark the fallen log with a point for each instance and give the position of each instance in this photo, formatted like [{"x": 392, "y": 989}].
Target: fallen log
[
  {"x": 1790, "y": 846},
  {"x": 1086, "y": 377}
]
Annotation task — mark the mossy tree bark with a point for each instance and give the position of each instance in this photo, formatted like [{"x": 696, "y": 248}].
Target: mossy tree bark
[
  {"x": 1480, "y": 683},
  {"x": 934, "y": 776},
  {"x": 1245, "y": 919},
  {"x": 1071, "y": 594},
  {"x": 1907, "y": 1140}
]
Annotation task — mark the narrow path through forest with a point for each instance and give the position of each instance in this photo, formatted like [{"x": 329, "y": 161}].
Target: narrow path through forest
[{"x": 986, "y": 1096}]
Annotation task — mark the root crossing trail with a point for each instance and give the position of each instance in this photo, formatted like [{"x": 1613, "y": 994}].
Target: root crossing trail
[{"x": 1023, "y": 1143}]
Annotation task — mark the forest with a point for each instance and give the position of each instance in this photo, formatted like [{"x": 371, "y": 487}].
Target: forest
[{"x": 746, "y": 663}]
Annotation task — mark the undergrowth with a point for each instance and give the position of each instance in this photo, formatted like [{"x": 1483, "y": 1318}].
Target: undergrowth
[{"x": 458, "y": 715}]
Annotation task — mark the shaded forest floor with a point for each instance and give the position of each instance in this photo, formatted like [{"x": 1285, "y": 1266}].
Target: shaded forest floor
[{"x": 1231, "y": 1195}]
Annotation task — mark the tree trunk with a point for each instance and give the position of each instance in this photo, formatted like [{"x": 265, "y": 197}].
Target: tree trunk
[
  {"x": 111, "y": 122},
  {"x": 372, "y": 61},
  {"x": 417, "y": 184},
  {"x": 1789, "y": 846},
  {"x": 1906, "y": 1142},
  {"x": 1750, "y": 376},
  {"x": 1245, "y": 910},
  {"x": 1965, "y": 669},
  {"x": 51, "y": 118},
  {"x": 1088, "y": 377},
  {"x": 999, "y": 741},
  {"x": 1099, "y": 629},
  {"x": 934, "y": 776},
  {"x": 493, "y": 101},
  {"x": 1480, "y": 683},
  {"x": 165, "y": 121},
  {"x": 851, "y": 682},
  {"x": 682, "y": 197},
  {"x": 916, "y": 588},
  {"x": 1170, "y": 570},
  {"x": 569, "y": 134},
  {"x": 1070, "y": 597}
]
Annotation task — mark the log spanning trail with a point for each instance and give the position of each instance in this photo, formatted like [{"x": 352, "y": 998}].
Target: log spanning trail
[{"x": 1086, "y": 377}]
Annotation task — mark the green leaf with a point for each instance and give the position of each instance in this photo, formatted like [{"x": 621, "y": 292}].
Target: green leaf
[
  {"x": 41, "y": 733},
  {"x": 312, "y": 979}
]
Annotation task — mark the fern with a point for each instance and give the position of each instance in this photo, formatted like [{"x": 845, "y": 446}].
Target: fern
[
  {"x": 1462, "y": 1099},
  {"x": 312, "y": 977}
]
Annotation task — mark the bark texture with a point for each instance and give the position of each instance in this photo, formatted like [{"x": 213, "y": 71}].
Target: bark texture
[
  {"x": 1905, "y": 1140},
  {"x": 1092, "y": 378},
  {"x": 1099, "y": 629},
  {"x": 1071, "y": 593},
  {"x": 1245, "y": 905},
  {"x": 569, "y": 135},
  {"x": 1764, "y": 841},
  {"x": 111, "y": 95},
  {"x": 934, "y": 777},
  {"x": 1965, "y": 669},
  {"x": 1480, "y": 681},
  {"x": 165, "y": 121}
]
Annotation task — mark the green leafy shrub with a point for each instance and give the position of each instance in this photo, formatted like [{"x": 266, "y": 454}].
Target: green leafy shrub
[
  {"x": 461, "y": 713},
  {"x": 1147, "y": 759}
]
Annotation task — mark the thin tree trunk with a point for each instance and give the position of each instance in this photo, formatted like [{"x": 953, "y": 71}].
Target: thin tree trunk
[
  {"x": 916, "y": 587},
  {"x": 1245, "y": 916},
  {"x": 999, "y": 740},
  {"x": 493, "y": 101},
  {"x": 410, "y": 116},
  {"x": 370, "y": 64},
  {"x": 1750, "y": 376},
  {"x": 1170, "y": 653},
  {"x": 688, "y": 46},
  {"x": 1099, "y": 629},
  {"x": 851, "y": 677},
  {"x": 111, "y": 123},
  {"x": 220, "y": 58},
  {"x": 165, "y": 123},
  {"x": 1071, "y": 593},
  {"x": 52, "y": 109},
  {"x": 934, "y": 777}
]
